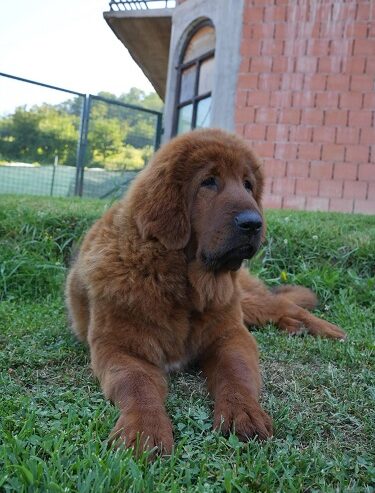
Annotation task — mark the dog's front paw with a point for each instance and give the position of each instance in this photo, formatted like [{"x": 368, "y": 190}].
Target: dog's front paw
[
  {"x": 144, "y": 430},
  {"x": 244, "y": 417}
]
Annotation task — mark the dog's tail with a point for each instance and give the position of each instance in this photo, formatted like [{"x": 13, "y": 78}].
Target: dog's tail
[{"x": 299, "y": 295}]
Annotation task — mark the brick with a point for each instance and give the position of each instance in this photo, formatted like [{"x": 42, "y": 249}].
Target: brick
[
  {"x": 345, "y": 171},
  {"x": 239, "y": 129},
  {"x": 283, "y": 31},
  {"x": 333, "y": 152},
  {"x": 341, "y": 47},
  {"x": 317, "y": 204},
  {"x": 321, "y": 170},
  {"x": 275, "y": 167},
  {"x": 278, "y": 133},
  {"x": 266, "y": 115},
  {"x": 307, "y": 187},
  {"x": 247, "y": 31},
  {"x": 292, "y": 82},
  {"x": 300, "y": 133},
  {"x": 269, "y": 82},
  {"x": 253, "y": 14},
  {"x": 309, "y": 151},
  {"x": 317, "y": 47},
  {"x": 255, "y": 131},
  {"x": 245, "y": 115},
  {"x": 369, "y": 100},
  {"x": 347, "y": 135},
  {"x": 357, "y": 154},
  {"x": 330, "y": 64},
  {"x": 360, "y": 118},
  {"x": 260, "y": 64},
  {"x": 258, "y": 98},
  {"x": 316, "y": 82},
  {"x": 361, "y": 83},
  {"x": 286, "y": 151},
  {"x": 364, "y": 47},
  {"x": 336, "y": 117},
  {"x": 353, "y": 65},
  {"x": 281, "y": 64},
  {"x": 303, "y": 99},
  {"x": 327, "y": 99},
  {"x": 307, "y": 64},
  {"x": 355, "y": 189},
  {"x": 341, "y": 205},
  {"x": 338, "y": 82},
  {"x": 371, "y": 191},
  {"x": 294, "y": 202},
  {"x": 272, "y": 201},
  {"x": 292, "y": 116},
  {"x": 324, "y": 134},
  {"x": 366, "y": 172},
  {"x": 263, "y": 30},
  {"x": 342, "y": 11},
  {"x": 331, "y": 188},
  {"x": 293, "y": 48},
  {"x": 247, "y": 81},
  {"x": 275, "y": 13},
  {"x": 281, "y": 99},
  {"x": 358, "y": 30},
  {"x": 312, "y": 116},
  {"x": 364, "y": 206},
  {"x": 241, "y": 98},
  {"x": 264, "y": 149},
  {"x": 271, "y": 47},
  {"x": 351, "y": 100},
  {"x": 267, "y": 185},
  {"x": 370, "y": 66},
  {"x": 250, "y": 47},
  {"x": 367, "y": 135},
  {"x": 284, "y": 186},
  {"x": 244, "y": 65},
  {"x": 297, "y": 169},
  {"x": 329, "y": 29}
]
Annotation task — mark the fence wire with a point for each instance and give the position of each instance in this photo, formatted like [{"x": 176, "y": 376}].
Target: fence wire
[{"x": 72, "y": 143}]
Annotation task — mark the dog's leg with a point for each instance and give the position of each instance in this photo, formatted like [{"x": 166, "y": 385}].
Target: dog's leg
[
  {"x": 232, "y": 370},
  {"x": 285, "y": 307},
  {"x": 138, "y": 388}
]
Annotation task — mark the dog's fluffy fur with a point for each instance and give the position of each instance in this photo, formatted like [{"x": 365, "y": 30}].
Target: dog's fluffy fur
[{"x": 157, "y": 285}]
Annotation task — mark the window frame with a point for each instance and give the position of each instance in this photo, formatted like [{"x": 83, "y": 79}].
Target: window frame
[{"x": 197, "y": 62}]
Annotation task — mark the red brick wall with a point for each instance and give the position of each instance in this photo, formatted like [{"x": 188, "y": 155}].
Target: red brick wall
[{"x": 306, "y": 101}]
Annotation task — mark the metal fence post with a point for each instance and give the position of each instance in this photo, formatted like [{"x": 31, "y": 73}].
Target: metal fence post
[
  {"x": 82, "y": 144},
  {"x": 159, "y": 131}
]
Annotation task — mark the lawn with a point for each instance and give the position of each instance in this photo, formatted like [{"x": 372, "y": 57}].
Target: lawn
[{"x": 54, "y": 421}]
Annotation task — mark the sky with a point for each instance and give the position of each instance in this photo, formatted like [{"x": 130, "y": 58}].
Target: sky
[{"x": 66, "y": 43}]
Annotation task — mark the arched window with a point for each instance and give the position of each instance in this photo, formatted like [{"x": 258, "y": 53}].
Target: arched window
[{"x": 195, "y": 80}]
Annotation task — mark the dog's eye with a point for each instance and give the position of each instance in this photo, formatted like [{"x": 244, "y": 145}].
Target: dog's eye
[
  {"x": 247, "y": 185},
  {"x": 210, "y": 182}
]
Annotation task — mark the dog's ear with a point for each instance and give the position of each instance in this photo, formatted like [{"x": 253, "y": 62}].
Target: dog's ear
[{"x": 163, "y": 211}]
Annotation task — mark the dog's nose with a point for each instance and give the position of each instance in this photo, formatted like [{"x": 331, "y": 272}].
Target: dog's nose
[{"x": 249, "y": 221}]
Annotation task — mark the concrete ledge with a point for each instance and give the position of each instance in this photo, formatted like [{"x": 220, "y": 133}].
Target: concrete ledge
[{"x": 146, "y": 34}]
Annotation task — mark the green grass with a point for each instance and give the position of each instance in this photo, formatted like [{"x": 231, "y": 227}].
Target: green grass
[{"x": 54, "y": 421}]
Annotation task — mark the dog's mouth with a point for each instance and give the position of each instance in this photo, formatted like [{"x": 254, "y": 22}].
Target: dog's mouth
[{"x": 230, "y": 260}]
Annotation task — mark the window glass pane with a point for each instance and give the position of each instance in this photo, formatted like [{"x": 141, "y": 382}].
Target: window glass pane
[
  {"x": 204, "y": 113},
  {"x": 185, "y": 115},
  {"x": 187, "y": 83},
  {"x": 202, "y": 42},
  {"x": 206, "y": 76}
]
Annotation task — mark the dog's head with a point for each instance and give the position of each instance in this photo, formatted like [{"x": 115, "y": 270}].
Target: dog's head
[{"x": 202, "y": 192}]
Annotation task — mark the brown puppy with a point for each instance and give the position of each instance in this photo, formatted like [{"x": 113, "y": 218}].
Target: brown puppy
[{"x": 158, "y": 284}]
